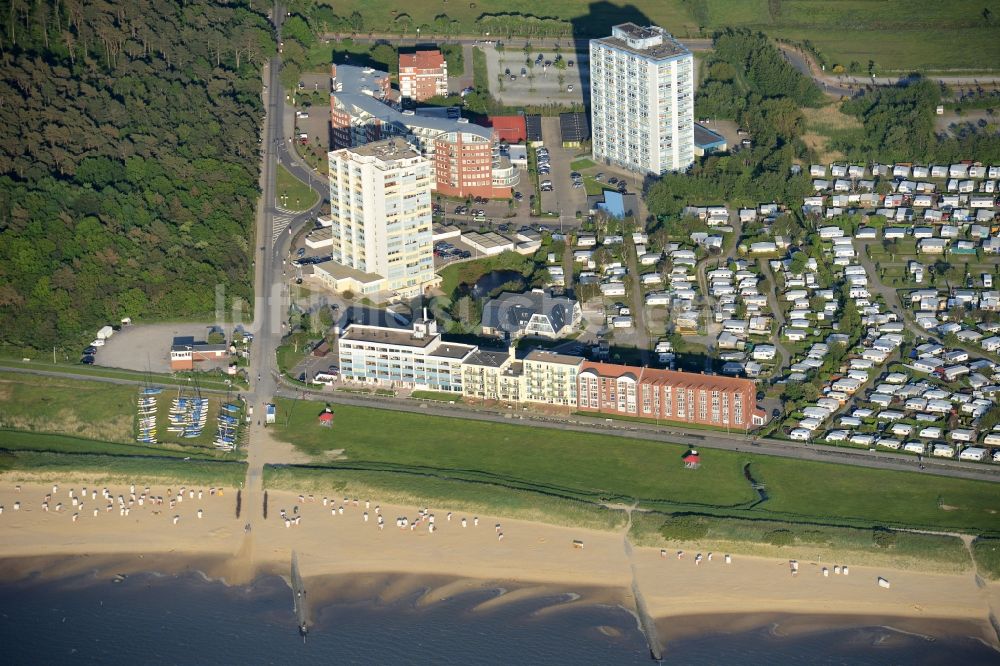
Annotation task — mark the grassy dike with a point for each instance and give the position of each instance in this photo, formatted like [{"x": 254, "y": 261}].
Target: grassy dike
[{"x": 812, "y": 509}]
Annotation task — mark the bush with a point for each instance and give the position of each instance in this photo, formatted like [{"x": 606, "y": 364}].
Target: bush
[
  {"x": 883, "y": 538},
  {"x": 780, "y": 537},
  {"x": 685, "y": 528}
]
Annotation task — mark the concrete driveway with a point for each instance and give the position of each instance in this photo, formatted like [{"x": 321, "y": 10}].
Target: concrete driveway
[
  {"x": 146, "y": 347},
  {"x": 564, "y": 199}
]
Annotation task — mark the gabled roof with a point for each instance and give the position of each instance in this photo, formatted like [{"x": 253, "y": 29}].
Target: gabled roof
[{"x": 510, "y": 312}]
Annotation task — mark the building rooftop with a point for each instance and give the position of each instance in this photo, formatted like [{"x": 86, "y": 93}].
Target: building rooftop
[
  {"x": 487, "y": 240},
  {"x": 670, "y": 377},
  {"x": 452, "y": 350},
  {"x": 651, "y": 42},
  {"x": 393, "y": 148},
  {"x": 706, "y": 138},
  {"x": 425, "y": 59},
  {"x": 489, "y": 359},
  {"x": 511, "y": 313},
  {"x": 552, "y": 357},
  {"x": 574, "y": 127},
  {"x": 359, "y": 87},
  {"x": 533, "y": 126},
  {"x": 400, "y": 337},
  {"x": 340, "y": 271}
]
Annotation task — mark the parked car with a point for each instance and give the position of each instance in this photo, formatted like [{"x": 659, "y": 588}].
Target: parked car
[
  {"x": 301, "y": 252},
  {"x": 87, "y": 360},
  {"x": 90, "y": 351}
]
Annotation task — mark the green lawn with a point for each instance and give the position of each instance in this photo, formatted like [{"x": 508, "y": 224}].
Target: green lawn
[
  {"x": 292, "y": 193},
  {"x": 568, "y": 464},
  {"x": 800, "y": 488},
  {"x": 438, "y": 396},
  {"x": 901, "y": 36},
  {"x": 597, "y": 468},
  {"x": 124, "y": 468},
  {"x": 987, "y": 554},
  {"x": 581, "y": 164},
  {"x": 13, "y": 440},
  {"x": 480, "y": 75},
  {"x": 94, "y": 412}
]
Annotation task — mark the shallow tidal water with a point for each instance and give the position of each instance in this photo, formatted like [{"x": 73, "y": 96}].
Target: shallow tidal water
[{"x": 157, "y": 619}]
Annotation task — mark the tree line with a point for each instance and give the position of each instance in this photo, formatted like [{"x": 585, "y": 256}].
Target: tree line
[
  {"x": 128, "y": 161},
  {"x": 747, "y": 81}
]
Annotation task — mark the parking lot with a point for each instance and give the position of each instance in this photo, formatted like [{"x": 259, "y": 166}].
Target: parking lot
[
  {"x": 537, "y": 83},
  {"x": 564, "y": 199},
  {"x": 146, "y": 347}
]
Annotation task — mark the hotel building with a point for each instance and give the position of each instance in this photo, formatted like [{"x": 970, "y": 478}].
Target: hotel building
[
  {"x": 466, "y": 161},
  {"x": 642, "y": 100},
  {"x": 668, "y": 395},
  {"x": 402, "y": 358},
  {"x": 380, "y": 213},
  {"x": 419, "y": 359}
]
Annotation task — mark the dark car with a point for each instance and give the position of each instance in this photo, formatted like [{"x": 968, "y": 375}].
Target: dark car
[
  {"x": 612, "y": 180},
  {"x": 87, "y": 360},
  {"x": 90, "y": 351}
]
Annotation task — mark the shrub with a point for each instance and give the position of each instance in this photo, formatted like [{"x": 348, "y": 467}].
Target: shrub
[
  {"x": 883, "y": 538},
  {"x": 685, "y": 528},
  {"x": 780, "y": 537}
]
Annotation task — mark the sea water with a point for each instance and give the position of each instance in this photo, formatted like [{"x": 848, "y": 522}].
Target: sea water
[{"x": 153, "y": 619}]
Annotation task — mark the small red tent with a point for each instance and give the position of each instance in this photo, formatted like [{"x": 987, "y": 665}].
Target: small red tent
[
  {"x": 692, "y": 460},
  {"x": 326, "y": 418}
]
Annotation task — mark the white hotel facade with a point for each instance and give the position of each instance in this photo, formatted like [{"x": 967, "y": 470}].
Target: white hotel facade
[
  {"x": 642, "y": 100},
  {"x": 380, "y": 207}
]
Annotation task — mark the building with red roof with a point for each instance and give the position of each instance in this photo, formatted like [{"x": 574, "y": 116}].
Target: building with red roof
[
  {"x": 669, "y": 395},
  {"x": 511, "y": 129},
  {"x": 422, "y": 75}
]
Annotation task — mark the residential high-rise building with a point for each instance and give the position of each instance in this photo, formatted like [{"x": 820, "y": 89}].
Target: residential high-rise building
[
  {"x": 380, "y": 208},
  {"x": 422, "y": 75},
  {"x": 642, "y": 100}
]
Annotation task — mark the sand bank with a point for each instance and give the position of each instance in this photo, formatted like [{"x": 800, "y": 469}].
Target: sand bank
[{"x": 536, "y": 557}]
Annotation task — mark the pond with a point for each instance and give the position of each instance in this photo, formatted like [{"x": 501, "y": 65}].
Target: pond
[{"x": 495, "y": 279}]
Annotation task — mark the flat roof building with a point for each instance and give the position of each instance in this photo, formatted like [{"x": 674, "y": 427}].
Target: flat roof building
[
  {"x": 574, "y": 128},
  {"x": 380, "y": 209},
  {"x": 642, "y": 100},
  {"x": 669, "y": 395}
]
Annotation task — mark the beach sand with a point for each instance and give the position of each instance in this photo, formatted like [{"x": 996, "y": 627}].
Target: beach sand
[{"x": 532, "y": 559}]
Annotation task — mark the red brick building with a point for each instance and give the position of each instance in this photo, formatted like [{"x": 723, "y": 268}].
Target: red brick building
[
  {"x": 465, "y": 164},
  {"x": 669, "y": 395},
  {"x": 422, "y": 75}
]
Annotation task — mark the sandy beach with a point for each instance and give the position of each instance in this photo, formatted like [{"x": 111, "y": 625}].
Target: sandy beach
[{"x": 335, "y": 539}]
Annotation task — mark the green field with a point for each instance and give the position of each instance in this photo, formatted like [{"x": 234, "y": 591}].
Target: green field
[
  {"x": 438, "y": 396},
  {"x": 292, "y": 193},
  {"x": 600, "y": 469},
  {"x": 900, "y": 36},
  {"x": 95, "y": 412},
  {"x": 48, "y": 453},
  {"x": 987, "y": 554}
]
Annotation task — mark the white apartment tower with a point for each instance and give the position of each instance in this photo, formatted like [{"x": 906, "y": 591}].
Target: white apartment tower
[
  {"x": 380, "y": 205},
  {"x": 642, "y": 100}
]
